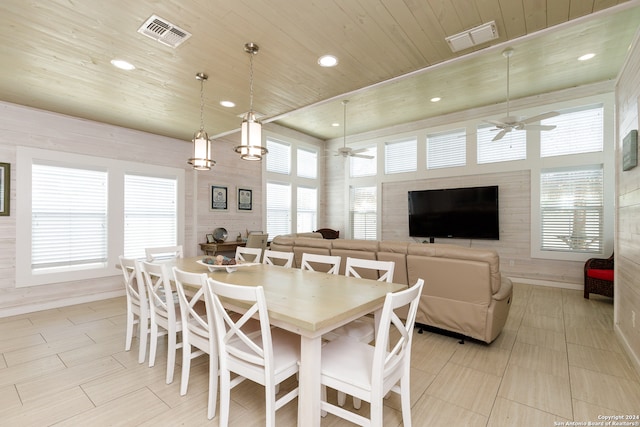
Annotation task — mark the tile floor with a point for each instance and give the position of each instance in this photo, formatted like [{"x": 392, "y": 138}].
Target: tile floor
[{"x": 557, "y": 360}]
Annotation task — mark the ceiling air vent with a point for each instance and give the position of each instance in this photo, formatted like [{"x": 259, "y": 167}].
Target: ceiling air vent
[
  {"x": 473, "y": 37},
  {"x": 164, "y": 31}
]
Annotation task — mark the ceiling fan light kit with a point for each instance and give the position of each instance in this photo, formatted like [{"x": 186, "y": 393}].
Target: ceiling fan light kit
[{"x": 509, "y": 123}]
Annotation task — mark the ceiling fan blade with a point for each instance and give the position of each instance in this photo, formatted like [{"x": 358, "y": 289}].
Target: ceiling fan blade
[
  {"x": 541, "y": 127},
  {"x": 362, "y": 156},
  {"x": 500, "y": 134},
  {"x": 496, "y": 123},
  {"x": 541, "y": 117}
]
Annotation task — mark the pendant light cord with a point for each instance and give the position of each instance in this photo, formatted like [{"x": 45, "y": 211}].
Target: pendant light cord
[
  {"x": 251, "y": 81},
  {"x": 202, "y": 104}
]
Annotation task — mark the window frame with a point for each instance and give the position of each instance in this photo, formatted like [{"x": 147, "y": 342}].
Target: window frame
[
  {"x": 25, "y": 156},
  {"x": 293, "y": 179}
]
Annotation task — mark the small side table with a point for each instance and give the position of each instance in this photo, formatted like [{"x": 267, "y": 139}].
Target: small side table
[{"x": 214, "y": 248}]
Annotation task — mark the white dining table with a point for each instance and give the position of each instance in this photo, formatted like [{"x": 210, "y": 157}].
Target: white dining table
[{"x": 309, "y": 304}]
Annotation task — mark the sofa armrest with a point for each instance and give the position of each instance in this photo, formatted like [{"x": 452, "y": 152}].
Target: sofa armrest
[{"x": 505, "y": 291}]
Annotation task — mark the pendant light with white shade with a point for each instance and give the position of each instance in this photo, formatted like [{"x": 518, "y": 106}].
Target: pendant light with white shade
[
  {"x": 201, "y": 159},
  {"x": 250, "y": 147}
]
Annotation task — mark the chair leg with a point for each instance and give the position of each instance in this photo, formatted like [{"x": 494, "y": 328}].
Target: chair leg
[
  {"x": 171, "y": 356},
  {"x": 213, "y": 385},
  {"x": 357, "y": 403},
  {"x": 225, "y": 395},
  {"x": 270, "y": 404},
  {"x": 143, "y": 334},
  {"x": 186, "y": 368},
  {"x": 342, "y": 397},
  {"x": 130, "y": 325},
  {"x": 153, "y": 344},
  {"x": 405, "y": 401}
]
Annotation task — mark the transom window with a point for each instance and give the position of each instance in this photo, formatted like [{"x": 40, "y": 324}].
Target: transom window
[
  {"x": 447, "y": 149},
  {"x": 513, "y": 146}
]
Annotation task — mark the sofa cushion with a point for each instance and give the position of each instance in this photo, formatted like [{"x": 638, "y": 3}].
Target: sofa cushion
[{"x": 597, "y": 273}]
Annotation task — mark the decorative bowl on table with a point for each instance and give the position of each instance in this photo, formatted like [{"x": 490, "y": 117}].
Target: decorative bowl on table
[
  {"x": 222, "y": 263},
  {"x": 220, "y": 235}
]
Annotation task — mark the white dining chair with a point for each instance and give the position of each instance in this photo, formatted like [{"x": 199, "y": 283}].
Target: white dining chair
[
  {"x": 283, "y": 259},
  {"x": 244, "y": 254},
  {"x": 250, "y": 355},
  {"x": 137, "y": 306},
  {"x": 165, "y": 312},
  {"x": 362, "y": 329},
  {"x": 315, "y": 262},
  {"x": 370, "y": 372},
  {"x": 198, "y": 333},
  {"x": 163, "y": 253}
]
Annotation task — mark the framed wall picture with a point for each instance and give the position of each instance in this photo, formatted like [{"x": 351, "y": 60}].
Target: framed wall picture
[
  {"x": 630, "y": 150},
  {"x": 245, "y": 199},
  {"x": 5, "y": 189},
  {"x": 218, "y": 198}
]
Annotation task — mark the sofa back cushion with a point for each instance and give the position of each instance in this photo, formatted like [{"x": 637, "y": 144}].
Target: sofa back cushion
[
  {"x": 396, "y": 252},
  {"x": 489, "y": 257},
  {"x": 363, "y": 249},
  {"x": 451, "y": 279},
  {"x": 309, "y": 245}
]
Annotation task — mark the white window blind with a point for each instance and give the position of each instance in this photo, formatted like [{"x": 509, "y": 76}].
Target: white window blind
[
  {"x": 307, "y": 163},
  {"x": 578, "y": 131},
  {"x": 307, "y": 209},
  {"x": 400, "y": 156},
  {"x": 359, "y": 166},
  {"x": 513, "y": 146},
  {"x": 279, "y": 157},
  {"x": 278, "y": 208},
  {"x": 150, "y": 213},
  {"x": 447, "y": 149},
  {"x": 363, "y": 213},
  {"x": 571, "y": 203},
  {"x": 69, "y": 217}
]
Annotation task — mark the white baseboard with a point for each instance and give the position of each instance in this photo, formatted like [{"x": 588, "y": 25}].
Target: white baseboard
[
  {"x": 30, "y": 308},
  {"x": 563, "y": 285},
  {"x": 635, "y": 358}
]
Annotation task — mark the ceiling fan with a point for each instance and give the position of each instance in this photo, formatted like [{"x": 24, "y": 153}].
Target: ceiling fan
[
  {"x": 509, "y": 123},
  {"x": 345, "y": 151}
]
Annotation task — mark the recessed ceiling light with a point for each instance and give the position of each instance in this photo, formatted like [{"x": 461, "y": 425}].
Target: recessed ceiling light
[
  {"x": 328, "y": 61},
  {"x": 586, "y": 57},
  {"x": 435, "y": 99},
  {"x": 228, "y": 104},
  {"x": 335, "y": 125},
  {"x": 122, "y": 64}
]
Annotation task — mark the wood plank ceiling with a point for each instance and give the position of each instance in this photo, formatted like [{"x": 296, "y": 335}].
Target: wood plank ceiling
[{"x": 392, "y": 54}]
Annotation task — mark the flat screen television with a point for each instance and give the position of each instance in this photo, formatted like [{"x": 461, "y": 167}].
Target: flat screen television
[{"x": 464, "y": 213}]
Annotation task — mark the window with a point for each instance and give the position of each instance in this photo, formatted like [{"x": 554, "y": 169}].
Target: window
[
  {"x": 69, "y": 218},
  {"x": 279, "y": 157},
  {"x": 513, "y": 146},
  {"x": 278, "y": 208},
  {"x": 150, "y": 213},
  {"x": 363, "y": 213},
  {"x": 571, "y": 209},
  {"x": 78, "y": 213},
  {"x": 400, "y": 156},
  {"x": 307, "y": 209},
  {"x": 360, "y": 166},
  {"x": 307, "y": 163},
  {"x": 447, "y": 149},
  {"x": 577, "y": 131}
]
